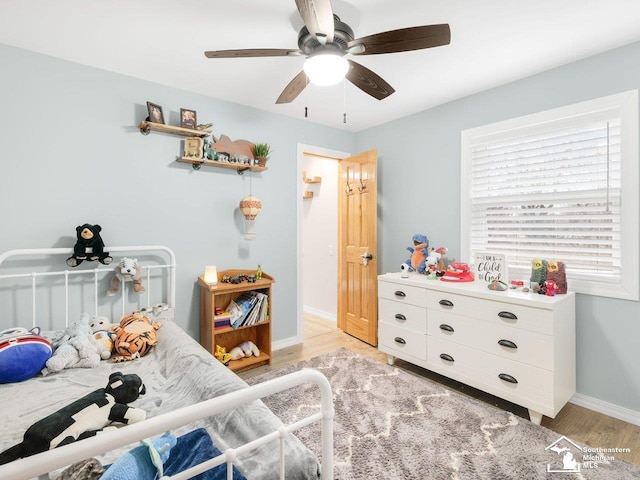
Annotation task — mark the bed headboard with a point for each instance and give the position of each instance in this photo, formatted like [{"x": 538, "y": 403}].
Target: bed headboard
[{"x": 34, "y": 276}]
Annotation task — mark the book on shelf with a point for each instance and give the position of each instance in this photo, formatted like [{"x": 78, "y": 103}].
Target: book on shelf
[
  {"x": 247, "y": 309},
  {"x": 222, "y": 324},
  {"x": 255, "y": 315},
  {"x": 222, "y": 316},
  {"x": 241, "y": 307},
  {"x": 222, "y": 320}
]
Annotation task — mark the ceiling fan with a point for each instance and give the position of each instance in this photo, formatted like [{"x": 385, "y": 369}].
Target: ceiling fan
[{"x": 325, "y": 40}]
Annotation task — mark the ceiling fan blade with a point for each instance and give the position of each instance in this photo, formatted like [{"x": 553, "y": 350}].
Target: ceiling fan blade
[
  {"x": 295, "y": 87},
  {"x": 368, "y": 82},
  {"x": 404, "y": 39},
  {"x": 251, "y": 52},
  {"x": 318, "y": 18}
]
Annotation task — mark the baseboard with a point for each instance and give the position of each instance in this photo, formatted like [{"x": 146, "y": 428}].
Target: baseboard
[
  {"x": 606, "y": 408},
  {"x": 284, "y": 343},
  {"x": 320, "y": 313}
]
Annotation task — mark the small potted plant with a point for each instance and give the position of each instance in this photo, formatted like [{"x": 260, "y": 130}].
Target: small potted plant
[{"x": 261, "y": 152}]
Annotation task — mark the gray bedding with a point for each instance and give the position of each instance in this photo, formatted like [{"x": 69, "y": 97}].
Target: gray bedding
[{"x": 177, "y": 372}]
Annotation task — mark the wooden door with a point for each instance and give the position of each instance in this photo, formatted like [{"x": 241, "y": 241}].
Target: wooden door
[{"x": 357, "y": 246}]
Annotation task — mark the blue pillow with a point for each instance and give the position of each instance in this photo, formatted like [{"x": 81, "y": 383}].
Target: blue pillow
[
  {"x": 193, "y": 448},
  {"x": 23, "y": 354}
]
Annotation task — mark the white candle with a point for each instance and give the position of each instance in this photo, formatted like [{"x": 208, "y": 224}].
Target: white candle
[{"x": 211, "y": 274}]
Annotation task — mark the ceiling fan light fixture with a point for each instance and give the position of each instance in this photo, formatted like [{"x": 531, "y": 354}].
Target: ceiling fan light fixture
[{"x": 326, "y": 68}]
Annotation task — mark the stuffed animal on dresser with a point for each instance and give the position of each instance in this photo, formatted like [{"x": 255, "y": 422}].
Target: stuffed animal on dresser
[
  {"x": 419, "y": 253},
  {"x": 135, "y": 336},
  {"x": 83, "y": 418},
  {"x": 127, "y": 270}
]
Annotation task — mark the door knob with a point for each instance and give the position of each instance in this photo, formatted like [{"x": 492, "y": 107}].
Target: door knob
[{"x": 365, "y": 258}]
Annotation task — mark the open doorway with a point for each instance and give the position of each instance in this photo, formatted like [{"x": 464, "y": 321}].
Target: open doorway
[{"x": 317, "y": 233}]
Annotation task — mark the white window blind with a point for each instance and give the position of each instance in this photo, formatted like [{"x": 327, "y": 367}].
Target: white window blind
[{"x": 552, "y": 186}]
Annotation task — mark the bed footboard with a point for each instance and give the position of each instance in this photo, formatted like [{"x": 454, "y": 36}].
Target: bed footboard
[{"x": 61, "y": 457}]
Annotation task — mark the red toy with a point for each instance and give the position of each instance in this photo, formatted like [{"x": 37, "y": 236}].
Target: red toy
[
  {"x": 458, "y": 272},
  {"x": 550, "y": 288}
]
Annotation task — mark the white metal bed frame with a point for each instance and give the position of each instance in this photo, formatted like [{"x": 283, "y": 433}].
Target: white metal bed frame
[{"x": 40, "y": 465}]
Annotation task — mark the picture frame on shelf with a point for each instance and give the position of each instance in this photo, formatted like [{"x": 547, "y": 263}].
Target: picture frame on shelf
[
  {"x": 193, "y": 147},
  {"x": 155, "y": 113},
  {"x": 489, "y": 267},
  {"x": 188, "y": 118}
]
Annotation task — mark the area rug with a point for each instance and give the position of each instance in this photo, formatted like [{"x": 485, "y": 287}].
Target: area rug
[{"x": 393, "y": 424}]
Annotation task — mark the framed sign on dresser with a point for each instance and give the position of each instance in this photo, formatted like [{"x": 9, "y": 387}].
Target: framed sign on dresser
[{"x": 516, "y": 345}]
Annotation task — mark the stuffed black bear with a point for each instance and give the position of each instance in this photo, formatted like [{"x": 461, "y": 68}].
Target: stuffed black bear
[
  {"x": 89, "y": 246},
  {"x": 83, "y": 418}
]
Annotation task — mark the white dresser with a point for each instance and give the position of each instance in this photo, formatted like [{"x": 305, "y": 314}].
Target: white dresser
[{"x": 515, "y": 345}]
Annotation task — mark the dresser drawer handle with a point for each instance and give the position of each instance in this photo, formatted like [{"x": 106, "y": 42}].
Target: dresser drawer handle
[
  {"x": 507, "y": 378},
  {"x": 507, "y": 343},
  {"x": 399, "y": 316},
  {"x": 447, "y": 357},
  {"x": 446, "y": 328},
  {"x": 507, "y": 315},
  {"x": 446, "y": 303},
  {"x": 400, "y": 340},
  {"x": 399, "y": 293}
]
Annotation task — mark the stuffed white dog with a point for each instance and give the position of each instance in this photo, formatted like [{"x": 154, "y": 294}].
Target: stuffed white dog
[{"x": 127, "y": 270}]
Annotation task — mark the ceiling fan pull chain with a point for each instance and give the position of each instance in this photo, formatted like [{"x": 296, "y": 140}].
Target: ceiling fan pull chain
[{"x": 344, "y": 101}]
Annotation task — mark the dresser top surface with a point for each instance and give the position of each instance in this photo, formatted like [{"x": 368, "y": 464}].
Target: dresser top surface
[{"x": 477, "y": 289}]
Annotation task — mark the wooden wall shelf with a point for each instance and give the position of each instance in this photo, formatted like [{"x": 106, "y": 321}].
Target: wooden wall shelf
[
  {"x": 147, "y": 127},
  {"x": 306, "y": 179},
  {"x": 307, "y": 195},
  {"x": 240, "y": 167}
]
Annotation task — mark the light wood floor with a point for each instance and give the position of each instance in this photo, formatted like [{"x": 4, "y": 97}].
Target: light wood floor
[{"x": 581, "y": 424}]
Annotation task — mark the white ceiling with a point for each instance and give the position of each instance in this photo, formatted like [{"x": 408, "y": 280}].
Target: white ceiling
[{"x": 493, "y": 42}]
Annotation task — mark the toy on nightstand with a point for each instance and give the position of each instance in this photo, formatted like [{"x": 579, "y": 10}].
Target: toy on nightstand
[
  {"x": 222, "y": 355},
  {"x": 417, "y": 262},
  {"x": 245, "y": 349}
]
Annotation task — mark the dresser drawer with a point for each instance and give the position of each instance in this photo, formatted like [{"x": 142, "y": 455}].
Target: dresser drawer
[
  {"x": 513, "y": 343},
  {"x": 514, "y": 381},
  {"x": 402, "y": 315},
  {"x": 402, "y": 341},
  {"x": 403, "y": 293},
  {"x": 528, "y": 318}
]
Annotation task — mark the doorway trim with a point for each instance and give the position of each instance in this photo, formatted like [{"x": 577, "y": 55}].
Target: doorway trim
[{"x": 304, "y": 149}]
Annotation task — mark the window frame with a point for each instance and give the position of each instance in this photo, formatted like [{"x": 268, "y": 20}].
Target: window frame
[{"x": 627, "y": 104}]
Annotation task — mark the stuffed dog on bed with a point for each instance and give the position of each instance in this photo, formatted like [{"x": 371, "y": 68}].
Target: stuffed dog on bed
[{"x": 83, "y": 418}]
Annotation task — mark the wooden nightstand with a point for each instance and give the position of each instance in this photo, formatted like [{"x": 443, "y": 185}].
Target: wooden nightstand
[{"x": 219, "y": 296}]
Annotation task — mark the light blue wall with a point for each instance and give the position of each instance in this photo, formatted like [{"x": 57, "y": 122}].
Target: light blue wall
[
  {"x": 71, "y": 153},
  {"x": 419, "y": 192}
]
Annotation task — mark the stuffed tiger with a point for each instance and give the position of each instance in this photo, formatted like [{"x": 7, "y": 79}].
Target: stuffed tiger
[{"x": 134, "y": 337}]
